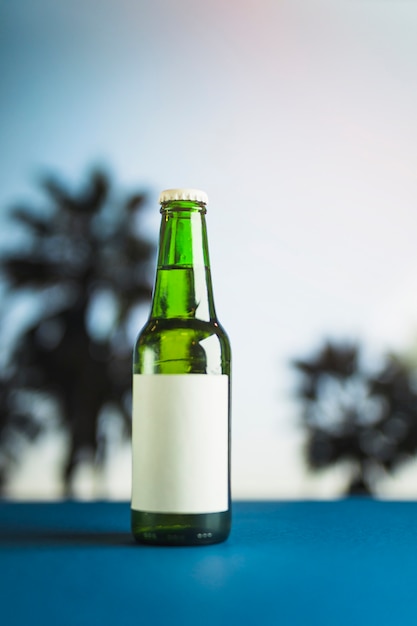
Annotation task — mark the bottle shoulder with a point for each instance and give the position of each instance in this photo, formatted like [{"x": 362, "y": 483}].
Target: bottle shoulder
[
  {"x": 158, "y": 326},
  {"x": 182, "y": 346}
]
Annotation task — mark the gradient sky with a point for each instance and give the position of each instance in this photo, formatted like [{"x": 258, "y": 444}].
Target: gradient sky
[{"x": 297, "y": 118}]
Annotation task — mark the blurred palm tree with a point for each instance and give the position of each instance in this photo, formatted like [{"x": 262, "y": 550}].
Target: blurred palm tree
[
  {"x": 85, "y": 267},
  {"x": 368, "y": 420}
]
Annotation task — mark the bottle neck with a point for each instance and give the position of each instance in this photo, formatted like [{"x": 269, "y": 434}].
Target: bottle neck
[{"x": 183, "y": 286}]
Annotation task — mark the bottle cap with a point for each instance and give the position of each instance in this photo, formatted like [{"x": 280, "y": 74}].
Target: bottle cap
[{"x": 196, "y": 195}]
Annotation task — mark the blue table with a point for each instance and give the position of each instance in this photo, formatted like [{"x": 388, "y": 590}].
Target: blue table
[{"x": 350, "y": 562}]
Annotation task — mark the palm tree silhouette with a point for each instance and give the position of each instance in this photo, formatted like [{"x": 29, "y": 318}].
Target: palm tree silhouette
[
  {"x": 87, "y": 262},
  {"x": 368, "y": 420}
]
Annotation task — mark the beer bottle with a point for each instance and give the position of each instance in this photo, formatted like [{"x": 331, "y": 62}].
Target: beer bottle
[{"x": 181, "y": 391}]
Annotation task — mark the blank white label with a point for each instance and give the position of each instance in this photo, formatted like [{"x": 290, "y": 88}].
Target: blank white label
[{"x": 180, "y": 443}]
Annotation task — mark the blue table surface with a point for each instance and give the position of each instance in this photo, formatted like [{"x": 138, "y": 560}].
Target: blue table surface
[{"x": 347, "y": 562}]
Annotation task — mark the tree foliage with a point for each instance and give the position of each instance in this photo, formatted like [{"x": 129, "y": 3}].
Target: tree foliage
[
  {"x": 367, "y": 419},
  {"x": 85, "y": 264}
]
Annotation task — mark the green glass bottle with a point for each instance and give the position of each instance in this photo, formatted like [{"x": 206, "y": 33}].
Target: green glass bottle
[{"x": 181, "y": 391}]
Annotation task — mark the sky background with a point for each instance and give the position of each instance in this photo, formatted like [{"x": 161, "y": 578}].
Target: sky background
[{"x": 298, "y": 118}]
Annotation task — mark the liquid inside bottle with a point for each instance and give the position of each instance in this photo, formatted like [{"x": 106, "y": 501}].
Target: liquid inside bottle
[{"x": 181, "y": 392}]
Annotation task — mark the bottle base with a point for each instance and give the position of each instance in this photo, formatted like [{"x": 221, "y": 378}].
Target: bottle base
[{"x": 169, "y": 529}]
